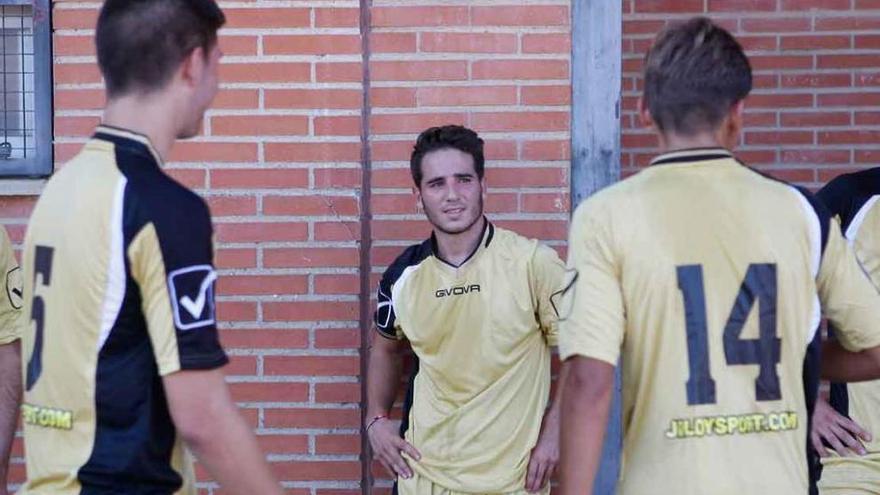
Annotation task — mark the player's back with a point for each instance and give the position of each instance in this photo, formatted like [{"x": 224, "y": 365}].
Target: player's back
[
  {"x": 95, "y": 413},
  {"x": 717, "y": 268}
]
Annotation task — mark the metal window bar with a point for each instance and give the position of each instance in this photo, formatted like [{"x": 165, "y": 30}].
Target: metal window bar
[{"x": 26, "y": 89}]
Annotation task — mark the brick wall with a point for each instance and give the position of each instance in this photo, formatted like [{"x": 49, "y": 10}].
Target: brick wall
[{"x": 280, "y": 161}]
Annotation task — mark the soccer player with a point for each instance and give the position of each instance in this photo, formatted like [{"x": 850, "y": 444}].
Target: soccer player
[
  {"x": 706, "y": 279},
  {"x": 474, "y": 303},
  {"x": 854, "y": 199},
  {"x": 120, "y": 350},
  {"x": 10, "y": 353}
]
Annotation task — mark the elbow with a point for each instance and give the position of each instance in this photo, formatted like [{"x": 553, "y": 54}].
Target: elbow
[
  {"x": 588, "y": 383},
  {"x": 199, "y": 428}
]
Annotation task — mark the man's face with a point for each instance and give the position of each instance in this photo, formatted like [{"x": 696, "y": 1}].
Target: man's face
[
  {"x": 205, "y": 72},
  {"x": 450, "y": 191}
]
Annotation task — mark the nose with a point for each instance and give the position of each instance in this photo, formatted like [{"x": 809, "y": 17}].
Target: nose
[{"x": 452, "y": 193}]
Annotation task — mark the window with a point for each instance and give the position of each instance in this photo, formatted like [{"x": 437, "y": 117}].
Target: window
[{"x": 26, "y": 89}]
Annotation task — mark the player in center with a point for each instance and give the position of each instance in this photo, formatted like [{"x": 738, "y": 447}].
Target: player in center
[{"x": 708, "y": 279}]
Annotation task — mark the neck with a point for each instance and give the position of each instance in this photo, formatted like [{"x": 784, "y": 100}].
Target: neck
[
  {"x": 151, "y": 117},
  {"x": 673, "y": 142},
  {"x": 455, "y": 248}
]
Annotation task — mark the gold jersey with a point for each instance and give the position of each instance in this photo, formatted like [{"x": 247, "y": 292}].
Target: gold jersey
[
  {"x": 10, "y": 302},
  {"x": 481, "y": 333},
  {"x": 119, "y": 291},
  {"x": 707, "y": 279},
  {"x": 854, "y": 199}
]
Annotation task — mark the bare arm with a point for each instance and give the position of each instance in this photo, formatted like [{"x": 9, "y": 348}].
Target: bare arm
[
  {"x": 586, "y": 400},
  {"x": 383, "y": 377},
  {"x": 544, "y": 458},
  {"x": 10, "y": 400},
  {"x": 210, "y": 424},
  {"x": 841, "y": 365}
]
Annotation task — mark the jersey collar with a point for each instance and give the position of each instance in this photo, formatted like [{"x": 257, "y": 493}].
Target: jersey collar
[
  {"x": 488, "y": 235},
  {"x": 692, "y": 155},
  {"x": 130, "y": 140}
]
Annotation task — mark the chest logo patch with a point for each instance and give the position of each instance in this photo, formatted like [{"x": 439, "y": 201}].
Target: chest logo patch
[
  {"x": 192, "y": 295},
  {"x": 457, "y": 291}
]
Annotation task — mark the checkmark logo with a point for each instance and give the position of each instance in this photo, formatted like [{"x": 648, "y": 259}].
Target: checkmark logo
[
  {"x": 192, "y": 296},
  {"x": 13, "y": 288},
  {"x": 196, "y": 307}
]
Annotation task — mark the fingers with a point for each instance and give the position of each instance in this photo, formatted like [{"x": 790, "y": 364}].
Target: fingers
[
  {"x": 411, "y": 451},
  {"x": 532, "y": 475},
  {"x": 854, "y": 428},
  {"x": 543, "y": 475},
  {"x": 818, "y": 445},
  {"x": 831, "y": 436}
]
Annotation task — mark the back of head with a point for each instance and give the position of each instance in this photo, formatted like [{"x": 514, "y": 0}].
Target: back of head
[
  {"x": 446, "y": 137},
  {"x": 141, "y": 43},
  {"x": 694, "y": 73}
]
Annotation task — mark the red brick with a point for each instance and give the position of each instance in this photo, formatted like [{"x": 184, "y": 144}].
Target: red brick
[
  {"x": 311, "y": 365},
  {"x": 269, "y": 392},
  {"x": 260, "y": 125},
  {"x": 337, "y": 178},
  {"x": 265, "y": 339},
  {"x": 255, "y": 285},
  {"x": 816, "y": 42},
  {"x": 439, "y": 70},
  {"x": 545, "y": 229},
  {"x": 313, "y": 98},
  {"x": 419, "y": 16},
  {"x": 69, "y": 73},
  {"x": 339, "y": 444},
  {"x": 267, "y": 18},
  {"x": 237, "y": 99},
  {"x": 847, "y": 23},
  {"x": 325, "y": 257},
  {"x": 328, "y": 44},
  {"x": 337, "y": 338},
  {"x": 546, "y": 150},
  {"x": 468, "y": 42},
  {"x": 192, "y": 178},
  {"x": 815, "y": 119},
  {"x": 232, "y": 205},
  {"x": 317, "y": 470},
  {"x": 265, "y": 72},
  {"x": 855, "y": 99},
  {"x": 410, "y": 230},
  {"x": 313, "y": 152},
  {"x": 801, "y": 5},
  {"x": 310, "y": 206},
  {"x": 337, "y": 231},
  {"x": 669, "y": 6},
  {"x": 466, "y": 96},
  {"x": 339, "y": 72},
  {"x": 519, "y": 15},
  {"x": 79, "y": 99},
  {"x": 337, "y": 17},
  {"x": 546, "y": 95},
  {"x": 337, "y": 284},
  {"x": 75, "y": 126},
  {"x": 527, "y": 177},
  {"x": 310, "y": 311},
  {"x": 193, "y": 151},
  {"x": 283, "y": 444},
  {"x": 521, "y": 121},
  {"x": 816, "y": 80},
  {"x": 238, "y": 45},
  {"x": 73, "y": 46},
  {"x": 775, "y": 24},
  {"x": 236, "y": 311},
  {"x": 338, "y": 126},
  {"x": 267, "y": 178},
  {"x": 779, "y": 100},
  {"x": 779, "y": 137},
  {"x": 74, "y": 18},
  {"x": 741, "y": 5},
  {"x": 236, "y": 258},
  {"x": 868, "y": 61},
  {"x": 545, "y": 203},
  {"x": 262, "y": 232},
  {"x": 393, "y": 97},
  {"x": 393, "y": 42},
  {"x": 546, "y": 43},
  {"x": 412, "y": 123},
  {"x": 849, "y": 137},
  {"x": 777, "y": 62},
  {"x": 520, "y": 69},
  {"x": 814, "y": 156}
]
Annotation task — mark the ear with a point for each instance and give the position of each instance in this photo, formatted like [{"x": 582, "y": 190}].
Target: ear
[
  {"x": 737, "y": 112},
  {"x": 734, "y": 125},
  {"x": 645, "y": 114},
  {"x": 193, "y": 67},
  {"x": 420, "y": 205}
]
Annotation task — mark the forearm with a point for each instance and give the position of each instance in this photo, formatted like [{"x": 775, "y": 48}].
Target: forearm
[
  {"x": 552, "y": 414},
  {"x": 586, "y": 400},
  {"x": 840, "y": 365},
  {"x": 383, "y": 377},
  {"x": 10, "y": 400},
  {"x": 229, "y": 451}
]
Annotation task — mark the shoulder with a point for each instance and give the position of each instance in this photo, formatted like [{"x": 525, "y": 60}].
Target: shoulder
[
  {"x": 168, "y": 205},
  {"x": 411, "y": 256}
]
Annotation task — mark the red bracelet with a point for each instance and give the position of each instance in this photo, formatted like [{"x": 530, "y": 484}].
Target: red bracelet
[{"x": 375, "y": 418}]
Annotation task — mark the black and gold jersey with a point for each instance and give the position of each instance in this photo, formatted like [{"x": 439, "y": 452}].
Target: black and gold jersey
[
  {"x": 11, "y": 300},
  {"x": 119, "y": 291},
  {"x": 481, "y": 333},
  {"x": 707, "y": 279},
  {"x": 854, "y": 199}
]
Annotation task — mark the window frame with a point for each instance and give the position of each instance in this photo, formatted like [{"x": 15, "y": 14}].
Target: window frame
[{"x": 40, "y": 165}]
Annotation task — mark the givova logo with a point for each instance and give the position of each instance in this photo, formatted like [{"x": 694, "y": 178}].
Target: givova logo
[{"x": 457, "y": 291}]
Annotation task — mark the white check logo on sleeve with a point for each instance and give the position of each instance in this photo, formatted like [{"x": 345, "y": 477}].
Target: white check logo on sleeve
[{"x": 192, "y": 288}]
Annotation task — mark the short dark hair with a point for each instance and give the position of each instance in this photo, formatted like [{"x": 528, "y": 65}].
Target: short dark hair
[
  {"x": 446, "y": 137},
  {"x": 694, "y": 73},
  {"x": 141, "y": 43}
]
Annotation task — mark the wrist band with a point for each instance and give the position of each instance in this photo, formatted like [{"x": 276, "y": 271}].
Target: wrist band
[{"x": 373, "y": 421}]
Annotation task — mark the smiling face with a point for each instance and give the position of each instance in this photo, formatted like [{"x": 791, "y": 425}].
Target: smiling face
[{"x": 450, "y": 192}]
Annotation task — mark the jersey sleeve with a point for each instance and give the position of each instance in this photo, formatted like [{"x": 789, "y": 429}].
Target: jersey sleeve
[
  {"x": 171, "y": 261},
  {"x": 11, "y": 302},
  {"x": 849, "y": 299},
  {"x": 386, "y": 320},
  {"x": 547, "y": 272},
  {"x": 592, "y": 321}
]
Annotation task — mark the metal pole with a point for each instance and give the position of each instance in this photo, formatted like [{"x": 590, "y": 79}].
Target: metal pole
[{"x": 597, "y": 27}]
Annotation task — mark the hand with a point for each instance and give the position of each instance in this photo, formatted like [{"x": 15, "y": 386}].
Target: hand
[
  {"x": 544, "y": 459},
  {"x": 387, "y": 445},
  {"x": 843, "y": 434}
]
